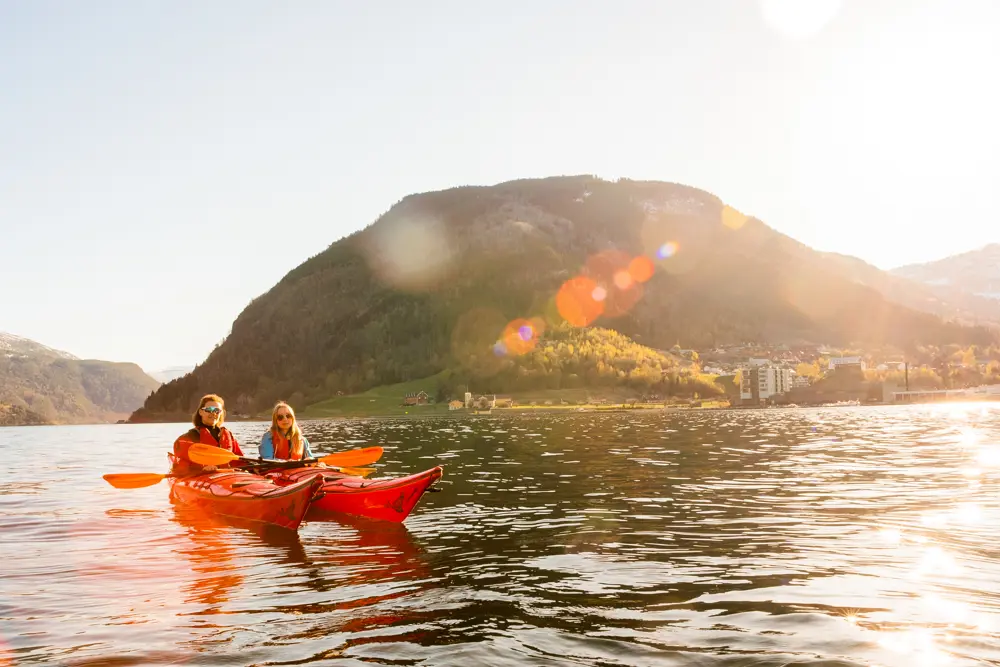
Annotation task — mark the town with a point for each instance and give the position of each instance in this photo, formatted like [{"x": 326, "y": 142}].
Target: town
[{"x": 753, "y": 375}]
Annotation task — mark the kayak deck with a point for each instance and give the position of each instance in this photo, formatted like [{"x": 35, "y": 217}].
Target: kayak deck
[
  {"x": 242, "y": 495},
  {"x": 386, "y": 498}
]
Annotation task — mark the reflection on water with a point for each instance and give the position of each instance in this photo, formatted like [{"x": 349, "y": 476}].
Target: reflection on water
[{"x": 848, "y": 536}]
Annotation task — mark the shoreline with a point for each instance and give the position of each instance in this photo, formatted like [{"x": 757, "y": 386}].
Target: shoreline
[{"x": 417, "y": 413}]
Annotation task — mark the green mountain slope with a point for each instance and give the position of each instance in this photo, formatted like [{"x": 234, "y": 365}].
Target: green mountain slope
[
  {"x": 42, "y": 385},
  {"x": 431, "y": 285}
]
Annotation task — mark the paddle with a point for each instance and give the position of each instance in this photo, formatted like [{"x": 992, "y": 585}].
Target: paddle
[
  {"x": 134, "y": 480},
  {"x": 210, "y": 455}
]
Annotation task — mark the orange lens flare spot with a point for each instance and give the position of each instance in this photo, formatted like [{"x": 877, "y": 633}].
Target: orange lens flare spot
[
  {"x": 623, "y": 280},
  {"x": 732, "y": 218},
  {"x": 603, "y": 266},
  {"x": 576, "y": 303},
  {"x": 641, "y": 269},
  {"x": 519, "y": 337}
]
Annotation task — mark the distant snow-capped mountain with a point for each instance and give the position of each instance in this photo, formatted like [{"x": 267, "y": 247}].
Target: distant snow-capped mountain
[
  {"x": 17, "y": 346},
  {"x": 976, "y": 272}
]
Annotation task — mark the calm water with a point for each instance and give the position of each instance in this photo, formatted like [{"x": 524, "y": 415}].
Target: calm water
[{"x": 844, "y": 536}]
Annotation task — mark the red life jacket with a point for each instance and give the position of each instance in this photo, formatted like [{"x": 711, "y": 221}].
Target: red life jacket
[
  {"x": 283, "y": 447},
  {"x": 183, "y": 464}
]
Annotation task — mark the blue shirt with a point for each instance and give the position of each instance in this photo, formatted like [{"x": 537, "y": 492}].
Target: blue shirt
[{"x": 267, "y": 447}]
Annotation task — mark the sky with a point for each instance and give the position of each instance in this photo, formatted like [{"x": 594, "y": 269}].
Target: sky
[{"x": 162, "y": 163}]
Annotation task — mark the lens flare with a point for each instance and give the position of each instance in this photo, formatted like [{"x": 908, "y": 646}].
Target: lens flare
[
  {"x": 732, "y": 218},
  {"x": 518, "y": 337},
  {"x": 616, "y": 288},
  {"x": 641, "y": 269},
  {"x": 667, "y": 250},
  {"x": 603, "y": 266},
  {"x": 474, "y": 340},
  {"x": 410, "y": 252},
  {"x": 575, "y": 301},
  {"x": 623, "y": 280}
]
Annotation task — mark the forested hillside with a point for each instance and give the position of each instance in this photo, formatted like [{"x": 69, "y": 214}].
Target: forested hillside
[{"x": 438, "y": 281}]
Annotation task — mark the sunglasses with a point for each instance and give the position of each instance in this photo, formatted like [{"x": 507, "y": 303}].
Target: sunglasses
[
  {"x": 212, "y": 410},
  {"x": 282, "y": 417}
]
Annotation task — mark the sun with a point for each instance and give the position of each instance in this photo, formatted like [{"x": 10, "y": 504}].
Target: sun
[{"x": 799, "y": 19}]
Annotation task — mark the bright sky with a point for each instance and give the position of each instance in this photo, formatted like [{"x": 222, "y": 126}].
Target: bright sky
[{"x": 164, "y": 162}]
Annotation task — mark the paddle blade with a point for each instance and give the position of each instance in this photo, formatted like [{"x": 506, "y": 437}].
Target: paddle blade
[
  {"x": 209, "y": 455},
  {"x": 353, "y": 457},
  {"x": 133, "y": 480}
]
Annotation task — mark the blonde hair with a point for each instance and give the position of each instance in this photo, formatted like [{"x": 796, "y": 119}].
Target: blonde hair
[
  {"x": 297, "y": 451},
  {"x": 208, "y": 398}
]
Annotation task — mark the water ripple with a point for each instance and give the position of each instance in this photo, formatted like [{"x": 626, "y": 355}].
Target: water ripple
[{"x": 849, "y": 536}]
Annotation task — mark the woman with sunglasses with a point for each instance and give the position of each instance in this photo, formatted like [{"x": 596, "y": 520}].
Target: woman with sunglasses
[
  {"x": 284, "y": 440},
  {"x": 208, "y": 430}
]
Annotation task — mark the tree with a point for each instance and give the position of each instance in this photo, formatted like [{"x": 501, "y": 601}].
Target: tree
[{"x": 808, "y": 370}]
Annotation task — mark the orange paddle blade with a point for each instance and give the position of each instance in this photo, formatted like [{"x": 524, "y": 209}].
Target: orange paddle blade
[
  {"x": 134, "y": 480},
  {"x": 209, "y": 455},
  {"x": 353, "y": 457}
]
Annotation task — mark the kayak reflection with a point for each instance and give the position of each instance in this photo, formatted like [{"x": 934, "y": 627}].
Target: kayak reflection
[
  {"x": 211, "y": 554},
  {"x": 355, "y": 550},
  {"x": 370, "y": 574}
]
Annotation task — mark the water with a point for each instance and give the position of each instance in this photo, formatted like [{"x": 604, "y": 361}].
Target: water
[{"x": 844, "y": 536}]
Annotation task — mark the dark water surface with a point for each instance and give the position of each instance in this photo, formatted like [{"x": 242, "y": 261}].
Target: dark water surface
[{"x": 841, "y": 536}]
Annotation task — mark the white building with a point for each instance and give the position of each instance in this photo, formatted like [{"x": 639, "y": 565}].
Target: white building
[
  {"x": 846, "y": 361},
  {"x": 891, "y": 366},
  {"x": 762, "y": 382}
]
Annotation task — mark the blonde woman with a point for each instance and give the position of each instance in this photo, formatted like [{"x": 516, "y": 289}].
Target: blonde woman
[{"x": 284, "y": 441}]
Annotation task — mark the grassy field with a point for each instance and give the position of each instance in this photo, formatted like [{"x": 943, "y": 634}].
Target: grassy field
[{"x": 386, "y": 401}]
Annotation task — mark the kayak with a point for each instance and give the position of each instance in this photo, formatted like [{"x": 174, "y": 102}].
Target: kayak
[
  {"x": 242, "y": 495},
  {"x": 385, "y": 498}
]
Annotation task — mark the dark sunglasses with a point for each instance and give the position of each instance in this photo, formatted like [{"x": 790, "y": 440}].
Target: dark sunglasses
[
  {"x": 280, "y": 417},
  {"x": 212, "y": 410}
]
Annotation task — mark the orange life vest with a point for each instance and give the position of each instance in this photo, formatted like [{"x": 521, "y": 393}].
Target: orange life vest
[
  {"x": 283, "y": 447},
  {"x": 226, "y": 441}
]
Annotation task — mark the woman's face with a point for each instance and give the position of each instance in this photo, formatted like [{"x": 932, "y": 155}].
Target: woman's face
[
  {"x": 211, "y": 412},
  {"x": 284, "y": 418}
]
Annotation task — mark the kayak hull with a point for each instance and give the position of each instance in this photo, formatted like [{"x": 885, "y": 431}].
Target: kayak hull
[
  {"x": 385, "y": 499},
  {"x": 241, "y": 495}
]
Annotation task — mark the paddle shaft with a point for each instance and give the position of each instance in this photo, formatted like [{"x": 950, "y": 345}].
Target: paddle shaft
[{"x": 210, "y": 455}]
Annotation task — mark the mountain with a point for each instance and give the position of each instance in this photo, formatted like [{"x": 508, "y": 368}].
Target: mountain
[
  {"x": 944, "y": 300},
  {"x": 16, "y": 345},
  {"x": 451, "y": 280},
  {"x": 172, "y": 373},
  {"x": 42, "y": 385},
  {"x": 976, "y": 273}
]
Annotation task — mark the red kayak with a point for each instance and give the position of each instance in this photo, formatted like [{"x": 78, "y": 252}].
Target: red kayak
[
  {"x": 386, "y": 498},
  {"x": 242, "y": 495}
]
